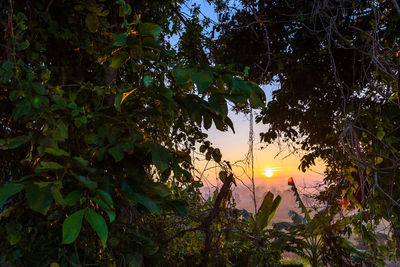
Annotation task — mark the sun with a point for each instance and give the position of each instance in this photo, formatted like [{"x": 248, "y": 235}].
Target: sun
[{"x": 269, "y": 173}]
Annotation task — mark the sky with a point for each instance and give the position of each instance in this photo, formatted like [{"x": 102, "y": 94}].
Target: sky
[{"x": 234, "y": 147}]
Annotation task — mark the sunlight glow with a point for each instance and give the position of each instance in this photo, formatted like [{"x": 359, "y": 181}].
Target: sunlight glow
[{"x": 269, "y": 173}]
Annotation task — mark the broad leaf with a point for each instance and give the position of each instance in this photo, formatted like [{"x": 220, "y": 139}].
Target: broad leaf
[
  {"x": 106, "y": 197},
  {"x": 202, "y": 79},
  {"x": 160, "y": 156},
  {"x": 134, "y": 260},
  {"x": 8, "y": 190},
  {"x": 182, "y": 75},
  {"x": 108, "y": 209},
  {"x": 7, "y": 68},
  {"x": 120, "y": 39},
  {"x": 39, "y": 198},
  {"x": 72, "y": 226},
  {"x": 58, "y": 198},
  {"x": 73, "y": 197},
  {"x": 92, "y": 22},
  {"x": 22, "y": 108},
  {"x": 61, "y": 132},
  {"x": 136, "y": 197},
  {"x": 255, "y": 101},
  {"x": 218, "y": 105},
  {"x": 98, "y": 224},
  {"x": 13, "y": 232},
  {"x": 149, "y": 29},
  {"x": 48, "y": 165},
  {"x": 11, "y": 143},
  {"x": 119, "y": 59},
  {"x": 180, "y": 206},
  {"x": 147, "y": 80},
  {"x": 161, "y": 189},
  {"x": 86, "y": 181},
  {"x": 117, "y": 152},
  {"x": 56, "y": 151},
  {"x": 39, "y": 88},
  {"x": 267, "y": 211}
]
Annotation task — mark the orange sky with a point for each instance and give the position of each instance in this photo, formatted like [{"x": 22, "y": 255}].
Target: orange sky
[{"x": 234, "y": 147}]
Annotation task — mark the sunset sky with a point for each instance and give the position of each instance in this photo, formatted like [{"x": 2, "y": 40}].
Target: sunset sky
[{"x": 234, "y": 147}]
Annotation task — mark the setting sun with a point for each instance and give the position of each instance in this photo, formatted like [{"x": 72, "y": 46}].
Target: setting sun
[{"x": 269, "y": 173}]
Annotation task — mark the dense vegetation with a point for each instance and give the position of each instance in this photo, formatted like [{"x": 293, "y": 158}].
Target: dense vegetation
[{"x": 100, "y": 116}]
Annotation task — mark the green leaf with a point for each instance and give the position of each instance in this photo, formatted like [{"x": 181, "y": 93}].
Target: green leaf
[
  {"x": 216, "y": 154},
  {"x": 381, "y": 133},
  {"x": 149, "y": 29},
  {"x": 72, "y": 226},
  {"x": 73, "y": 197},
  {"x": 255, "y": 101},
  {"x": 109, "y": 210},
  {"x": 92, "y": 22},
  {"x": 45, "y": 75},
  {"x": 229, "y": 122},
  {"x": 40, "y": 101},
  {"x": 160, "y": 156},
  {"x": 139, "y": 198},
  {"x": 48, "y": 165},
  {"x": 246, "y": 71},
  {"x": 145, "y": 201},
  {"x": 13, "y": 233},
  {"x": 22, "y": 108},
  {"x": 147, "y": 80},
  {"x": 161, "y": 189},
  {"x": 182, "y": 75},
  {"x": 8, "y": 190},
  {"x": 218, "y": 105},
  {"x": 119, "y": 59},
  {"x": 56, "y": 152},
  {"x": 180, "y": 206},
  {"x": 6, "y": 71},
  {"x": 106, "y": 197},
  {"x": 117, "y": 152},
  {"x": 81, "y": 161},
  {"x": 61, "y": 132},
  {"x": 98, "y": 224},
  {"x": 378, "y": 160},
  {"x": 120, "y": 39},
  {"x": 58, "y": 198},
  {"x": 241, "y": 86},
  {"x": 207, "y": 121},
  {"x": 267, "y": 211},
  {"x": 86, "y": 181},
  {"x": 251, "y": 90},
  {"x": 300, "y": 202},
  {"x": 39, "y": 88},
  {"x": 134, "y": 260},
  {"x": 124, "y": 9},
  {"x": 39, "y": 198},
  {"x": 202, "y": 79},
  {"x": 152, "y": 43},
  {"x": 15, "y": 142}
]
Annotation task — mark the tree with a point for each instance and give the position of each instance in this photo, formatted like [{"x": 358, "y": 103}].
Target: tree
[
  {"x": 337, "y": 63},
  {"x": 98, "y": 121}
]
